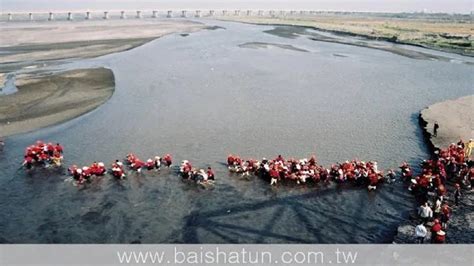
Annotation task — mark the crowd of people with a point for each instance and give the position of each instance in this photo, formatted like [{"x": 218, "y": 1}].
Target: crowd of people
[
  {"x": 448, "y": 166},
  {"x": 301, "y": 171},
  {"x": 43, "y": 154},
  {"x": 137, "y": 165},
  {"x": 117, "y": 170},
  {"x": 188, "y": 172},
  {"x": 85, "y": 173}
]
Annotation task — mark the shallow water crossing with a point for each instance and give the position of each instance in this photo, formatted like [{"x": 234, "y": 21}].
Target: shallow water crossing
[{"x": 202, "y": 97}]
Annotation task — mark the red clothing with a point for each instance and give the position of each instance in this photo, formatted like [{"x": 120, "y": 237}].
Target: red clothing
[
  {"x": 230, "y": 160},
  {"x": 436, "y": 228},
  {"x": 439, "y": 239},
  {"x": 373, "y": 179},
  {"x": 28, "y": 160},
  {"x": 44, "y": 156},
  {"x": 210, "y": 173},
  {"x": 58, "y": 148},
  {"x": 168, "y": 159},
  {"x": 150, "y": 165},
  {"x": 274, "y": 173},
  {"x": 137, "y": 164}
]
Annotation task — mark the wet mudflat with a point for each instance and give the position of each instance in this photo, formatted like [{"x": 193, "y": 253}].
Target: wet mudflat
[{"x": 205, "y": 96}]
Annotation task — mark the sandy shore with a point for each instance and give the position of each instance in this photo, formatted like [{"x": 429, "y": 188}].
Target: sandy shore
[
  {"x": 288, "y": 31},
  {"x": 46, "y": 100},
  {"x": 455, "y": 119},
  {"x": 449, "y": 33},
  {"x": 36, "y": 41},
  {"x": 53, "y": 98}
]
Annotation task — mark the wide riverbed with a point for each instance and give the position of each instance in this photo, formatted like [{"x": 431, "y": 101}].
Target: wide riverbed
[{"x": 243, "y": 91}]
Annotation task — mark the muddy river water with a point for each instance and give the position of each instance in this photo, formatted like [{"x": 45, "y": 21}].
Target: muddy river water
[{"x": 237, "y": 89}]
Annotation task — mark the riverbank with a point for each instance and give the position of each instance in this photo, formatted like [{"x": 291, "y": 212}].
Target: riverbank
[
  {"x": 443, "y": 32},
  {"x": 49, "y": 99},
  {"x": 41, "y": 41},
  {"x": 44, "y": 100},
  {"x": 460, "y": 227},
  {"x": 455, "y": 120}
]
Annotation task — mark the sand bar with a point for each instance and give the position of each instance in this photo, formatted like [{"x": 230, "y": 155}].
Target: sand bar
[
  {"x": 35, "y": 41},
  {"x": 455, "y": 119},
  {"x": 53, "y": 98},
  {"x": 444, "y": 32}
]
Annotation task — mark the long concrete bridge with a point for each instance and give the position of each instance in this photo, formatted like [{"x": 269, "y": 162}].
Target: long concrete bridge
[{"x": 148, "y": 14}]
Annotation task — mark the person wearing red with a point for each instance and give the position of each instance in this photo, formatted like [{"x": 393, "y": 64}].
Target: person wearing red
[
  {"x": 186, "y": 169},
  {"x": 435, "y": 229},
  {"x": 28, "y": 162},
  {"x": 137, "y": 165},
  {"x": 59, "y": 148},
  {"x": 94, "y": 168},
  {"x": 274, "y": 175},
  {"x": 373, "y": 181},
  {"x": 445, "y": 215},
  {"x": 168, "y": 160},
  {"x": 210, "y": 174},
  {"x": 440, "y": 237},
  {"x": 86, "y": 173},
  {"x": 50, "y": 148},
  {"x": 100, "y": 169},
  {"x": 230, "y": 160},
  {"x": 279, "y": 159},
  {"x": 117, "y": 170},
  {"x": 150, "y": 165},
  {"x": 44, "y": 158}
]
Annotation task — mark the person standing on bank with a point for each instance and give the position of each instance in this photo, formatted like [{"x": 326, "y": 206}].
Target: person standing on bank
[{"x": 435, "y": 129}]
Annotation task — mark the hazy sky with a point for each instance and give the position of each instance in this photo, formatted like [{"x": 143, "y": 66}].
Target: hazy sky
[{"x": 458, "y": 6}]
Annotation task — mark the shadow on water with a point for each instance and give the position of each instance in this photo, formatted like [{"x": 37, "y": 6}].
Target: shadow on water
[
  {"x": 177, "y": 77},
  {"x": 228, "y": 223}
]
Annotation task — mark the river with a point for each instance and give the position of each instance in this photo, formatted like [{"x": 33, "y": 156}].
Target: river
[{"x": 236, "y": 90}]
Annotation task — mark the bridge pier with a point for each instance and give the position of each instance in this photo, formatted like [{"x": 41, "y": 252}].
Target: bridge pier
[
  {"x": 69, "y": 16},
  {"x": 51, "y": 16},
  {"x": 224, "y": 12},
  {"x": 30, "y": 16},
  {"x": 237, "y": 13},
  {"x": 183, "y": 13},
  {"x": 211, "y": 13},
  {"x": 154, "y": 14},
  {"x": 122, "y": 15},
  {"x": 106, "y": 15},
  {"x": 260, "y": 13},
  {"x": 88, "y": 15},
  {"x": 139, "y": 14},
  {"x": 170, "y": 14},
  {"x": 249, "y": 13},
  {"x": 198, "y": 13},
  {"x": 10, "y": 17}
]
